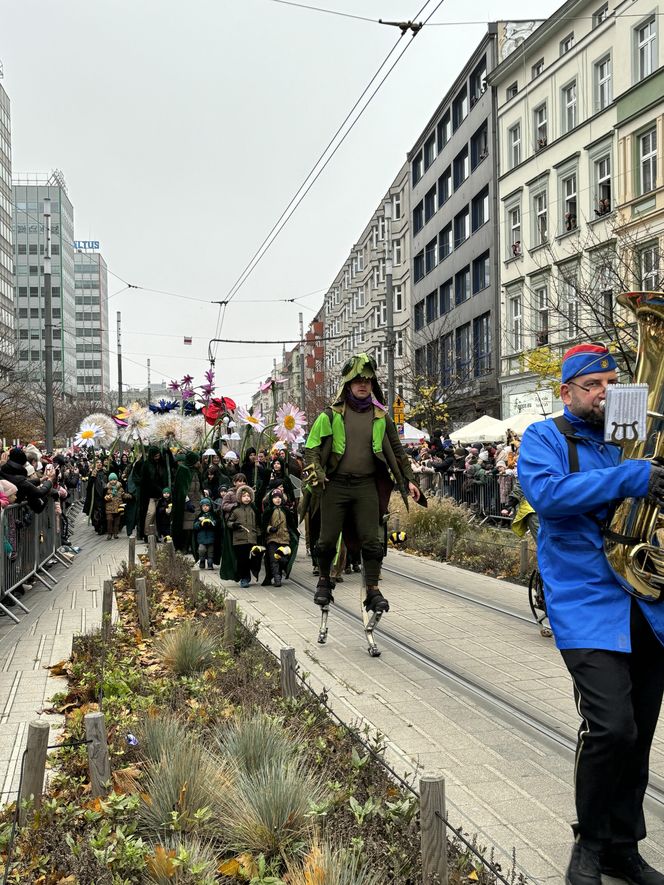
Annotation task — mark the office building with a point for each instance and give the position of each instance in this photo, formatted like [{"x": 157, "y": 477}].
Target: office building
[
  {"x": 92, "y": 333},
  {"x": 8, "y": 354}
]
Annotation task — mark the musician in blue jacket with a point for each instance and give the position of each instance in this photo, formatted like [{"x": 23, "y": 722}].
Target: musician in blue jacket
[{"x": 612, "y": 643}]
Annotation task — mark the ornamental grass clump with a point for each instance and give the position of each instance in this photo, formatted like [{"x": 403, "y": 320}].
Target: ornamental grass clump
[
  {"x": 256, "y": 740},
  {"x": 182, "y": 860},
  {"x": 160, "y": 735},
  {"x": 187, "y": 648},
  {"x": 181, "y": 791},
  {"x": 333, "y": 866},
  {"x": 268, "y": 810}
]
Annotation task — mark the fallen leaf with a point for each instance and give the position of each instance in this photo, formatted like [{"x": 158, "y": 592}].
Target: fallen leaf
[
  {"x": 59, "y": 669},
  {"x": 229, "y": 867},
  {"x": 473, "y": 876}
]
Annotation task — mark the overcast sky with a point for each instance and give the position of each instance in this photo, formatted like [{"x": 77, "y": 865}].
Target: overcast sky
[{"x": 184, "y": 128}]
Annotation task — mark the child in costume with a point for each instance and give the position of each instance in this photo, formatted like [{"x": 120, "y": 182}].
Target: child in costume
[
  {"x": 276, "y": 535},
  {"x": 205, "y": 527},
  {"x": 242, "y": 522},
  {"x": 164, "y": 510}
]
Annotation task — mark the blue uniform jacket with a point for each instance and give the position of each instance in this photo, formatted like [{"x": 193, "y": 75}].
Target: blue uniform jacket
[{"x": 587, "y": 607}]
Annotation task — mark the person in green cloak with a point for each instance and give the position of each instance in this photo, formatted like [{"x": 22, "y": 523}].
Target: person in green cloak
[{"x": 354, "y": 460}]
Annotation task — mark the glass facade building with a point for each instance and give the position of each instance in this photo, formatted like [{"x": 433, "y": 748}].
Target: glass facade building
[
  {"x": 29, "y": 240},
  {"x": 7, "y": 280},
  {"x": 92, "y": 339}
]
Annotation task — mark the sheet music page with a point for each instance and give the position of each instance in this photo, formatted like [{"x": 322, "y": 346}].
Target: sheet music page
[{"x": 625, "y": 412}]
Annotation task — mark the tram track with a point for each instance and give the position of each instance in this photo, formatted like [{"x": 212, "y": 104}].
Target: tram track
[{"x": 563, "y": 741}]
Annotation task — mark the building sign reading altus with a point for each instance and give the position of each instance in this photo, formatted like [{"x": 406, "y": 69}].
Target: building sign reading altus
[{"x": 86, "y": 244}]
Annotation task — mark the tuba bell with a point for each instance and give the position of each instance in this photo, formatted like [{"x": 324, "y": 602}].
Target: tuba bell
[{"x": 634, "y": 538}]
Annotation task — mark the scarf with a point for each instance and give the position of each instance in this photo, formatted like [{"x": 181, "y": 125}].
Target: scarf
[{"x": 359, "y": 405}]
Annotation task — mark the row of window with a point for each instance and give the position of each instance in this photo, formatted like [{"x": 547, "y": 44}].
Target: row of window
[
  {"x": 451, "y": 119},
  {"x": 335, "y": 355},
  {"x": 31, "y": 249},
  {"x": 470, "y": 219},
  {"x": 468, "y": 281},
  {"x": 459, "y": 355}
]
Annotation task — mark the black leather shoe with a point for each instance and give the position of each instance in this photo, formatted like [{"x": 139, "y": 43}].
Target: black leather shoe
[
  {"x": 630, "y": 866},
  {"x": 323, "y": 594},
  {"x": 376, "y": 602},
  {"x": 584, "y": 866}
]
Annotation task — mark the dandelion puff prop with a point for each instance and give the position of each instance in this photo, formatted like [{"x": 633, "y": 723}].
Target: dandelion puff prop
[
  {"x": 107, "y": 426},
  {"x": 194, "y": 431},
  {"x": 89, "y": 435},
  {"x": 167, "y": 429},
  {"x": 256, "y": 422},
  {"x": 290, "y": 422},
  {"x": 139, "y": 422}
]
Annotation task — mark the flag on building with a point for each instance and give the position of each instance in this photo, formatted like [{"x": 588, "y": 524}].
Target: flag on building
[{"x": 188, "y": 340}]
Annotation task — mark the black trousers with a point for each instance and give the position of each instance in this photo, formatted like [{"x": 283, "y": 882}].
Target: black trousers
[
  {"x": 241, "y": 552},
  {"x": 619, "y": 697},
  {"x": 356, "y": 497}
]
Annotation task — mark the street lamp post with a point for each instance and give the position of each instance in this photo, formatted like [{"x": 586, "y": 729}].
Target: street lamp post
[{"x": 389, "y": 303}]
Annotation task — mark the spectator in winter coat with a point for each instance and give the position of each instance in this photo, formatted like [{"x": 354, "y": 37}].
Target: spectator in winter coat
[
  {"x": 15, "y": 470},
  {"x": 243, "y": 524}
]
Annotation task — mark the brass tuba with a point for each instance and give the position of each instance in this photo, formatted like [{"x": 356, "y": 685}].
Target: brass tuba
[{"x": 633, "y": 541}]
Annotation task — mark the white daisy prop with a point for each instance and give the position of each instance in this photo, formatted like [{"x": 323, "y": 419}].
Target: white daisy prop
[
  {"x": 107, "y": 426},
  {"x": 256, "y": 422},
  {"x": 89, "y": 435},
  {"x": 290, "y": 422}
]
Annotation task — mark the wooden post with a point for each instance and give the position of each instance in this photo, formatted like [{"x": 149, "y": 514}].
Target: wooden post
[
  {"x": 132, "y": 553},
  {"x": 170, "y": 549},
  {"x": 288, "y": 665},
  {"x": 34, "y": 766},
  {"x": 142, "y": 605},
  {"x": 524, "y": 559},
  {"x": 196, "y": 586},
  {"x": 449, "y": 544},
  {"x": 107, "y": 610},
  {"x": 99, "y": 763},
  {"x": 152, "y": 550},
  {"x": 432, "y": 829},
  {"x": 230, "y": 623}
]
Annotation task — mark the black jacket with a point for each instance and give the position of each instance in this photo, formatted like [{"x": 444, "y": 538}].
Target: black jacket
[{"x": 35, "y": 496}]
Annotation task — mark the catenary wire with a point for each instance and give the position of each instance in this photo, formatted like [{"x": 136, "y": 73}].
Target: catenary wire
[{"x": 328, "y": 11}]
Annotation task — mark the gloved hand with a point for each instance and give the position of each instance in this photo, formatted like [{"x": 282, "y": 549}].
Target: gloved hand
[
  {"x": 272, "y": 529},
  {"x": 656, "y": 485}
]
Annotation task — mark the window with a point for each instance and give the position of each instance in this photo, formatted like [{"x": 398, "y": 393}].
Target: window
[
  {"x": 540, "y": 215},
  {"x": 649, "y": 261},
  {"x": 460, "y": 168},
  {"x": 479, "y": 146},
  {"x": 601, "y": 15},
  {"x": 444, "y": 130},
  {"x": 540, "y": 126},
  {"x": 417, "y": 168},
  {"x": 572, "y": 305},
  {"x": 478, "y": 82},
  {"x": 460, "y": 108},
  {"x": 567, "y": 43},
  {"x": 481, "y": 278},
  {"x": 569, "y": 107},
  {"x": 445, "y": 186},
  {"x": 542, "y": 315},
  {"x": 514, "y": 231},
  {"x": 396, "y": 206},
  {"x": 646, "y": 49},
  {"x": 569, "y": 202},
  {"x": 515, "y": 145},
  {"x": 396, "y": 252},
  {"x": 445, "y": 242},
  {"x": 419, "y": 315},
  {"x": 397, "y": 297},
  {"x": 447, "y": 358},
  {"x": 398, "y": 343},
  {"x": 603, "y": 92},
  {"x": 419, "y": 360},
  {"x": 432, "y": 306},
  {"x": 648, "y": 161},
  {"x": 515, "y": 323},
  {"x": 480, "y": 208},
  {"x": 602, "y": 186},
  {"x": 482, "y": 344},
  {"x": 462, "y": 286},
  {"x": 446, "y": 297},
  {"x": 22, "y": 249},
  {"x": 537, "y": 69},
  {"x": 432, "y": 359},
  {"x": 418, "y": 266},
  {"x": 418, "y": 217},
  {"x": 430, "y": 204},
  {"x": 511, "y": 91},
  {"x": 429, "y": 150},
  {"x": 431, "y": 255},
  {"x": 461, "y": 228},
  {"x": 380, "y": 315},
  {"x": 463, "y": 354}
]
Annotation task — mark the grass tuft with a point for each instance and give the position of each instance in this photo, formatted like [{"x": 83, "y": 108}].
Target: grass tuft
[
  {"x": 333, "y": 866},
  {"x": 160, "y": 735},
  {"x": 182, "y": 860},
  {"x": 256, "y": 740},
  {"x": 188, "y": 648}
]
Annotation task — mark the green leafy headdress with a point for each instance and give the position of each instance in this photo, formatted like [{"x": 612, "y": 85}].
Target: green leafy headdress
[{"x": 359, "y": 366}]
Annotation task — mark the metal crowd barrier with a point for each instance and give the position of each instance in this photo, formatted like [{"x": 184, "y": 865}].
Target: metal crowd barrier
[
  {"x": 484, "y": 500},
  {"x": 30, "y": 543}
]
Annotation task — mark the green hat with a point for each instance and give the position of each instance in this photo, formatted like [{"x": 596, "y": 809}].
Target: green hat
[
  {"x": 112, "y": 476},
  {"x": 359, "y": 366},
  {"x": 165, "y": 491}
]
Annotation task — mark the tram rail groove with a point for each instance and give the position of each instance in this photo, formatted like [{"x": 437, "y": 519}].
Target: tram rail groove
[{"x": 566, "y": 743}]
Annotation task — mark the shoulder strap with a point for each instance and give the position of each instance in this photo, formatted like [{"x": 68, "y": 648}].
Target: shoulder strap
[{"x": 571, "y": 438}]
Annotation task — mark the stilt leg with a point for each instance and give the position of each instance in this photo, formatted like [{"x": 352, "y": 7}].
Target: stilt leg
[
  {"x": 370, "y": 620},
  {"x": 322, "y": 631}
]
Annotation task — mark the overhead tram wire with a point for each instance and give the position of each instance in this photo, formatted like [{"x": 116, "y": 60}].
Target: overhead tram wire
[
  {"x": 297, "y": 199},
  {"x": 361, "y": 18}
]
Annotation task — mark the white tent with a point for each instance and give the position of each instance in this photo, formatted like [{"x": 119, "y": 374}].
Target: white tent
[
  {"x": 518, "y": 423},
  {"x": 412, "y": 435},
  {"x": 485, "y": 429}
]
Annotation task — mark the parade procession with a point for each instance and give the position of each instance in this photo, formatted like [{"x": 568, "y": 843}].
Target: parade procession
[{"x": 332, "y": 453}]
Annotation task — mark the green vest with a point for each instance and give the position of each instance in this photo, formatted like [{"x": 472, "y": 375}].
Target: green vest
[{"x": 323, "y": 427}]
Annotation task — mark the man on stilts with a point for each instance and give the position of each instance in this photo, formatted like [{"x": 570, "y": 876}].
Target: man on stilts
[{"x": 354, "y": 459}]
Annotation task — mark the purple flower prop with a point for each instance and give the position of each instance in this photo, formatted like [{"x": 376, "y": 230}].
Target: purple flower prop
[
  {"x": 209, "y": 376},
  {"x": 187, "y": 393},
  {"x": 174, "y": 386},
  {"x": 207, "y": 390},
  {"x": 186, "y": 381}
]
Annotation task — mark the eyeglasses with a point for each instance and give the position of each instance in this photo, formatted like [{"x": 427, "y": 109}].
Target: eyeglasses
[{"x": 592, "y": 386}]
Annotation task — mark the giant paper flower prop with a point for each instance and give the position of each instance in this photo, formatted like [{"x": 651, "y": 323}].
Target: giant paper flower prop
[
  {"x": 89, "y": 435},
  {"x": 270, "y": 384},
  {"x": 105, "y": 423},
  {"x": 256, "y": 421},
  {"x": 137, "y": 419},
  {"x": 163, "y": 406},
  {"x": 216, "y": 408},
  {"x": 290, "y": 422}
]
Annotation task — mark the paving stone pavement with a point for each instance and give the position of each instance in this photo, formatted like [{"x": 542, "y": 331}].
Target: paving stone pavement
[{"x": 503, "y": 781}]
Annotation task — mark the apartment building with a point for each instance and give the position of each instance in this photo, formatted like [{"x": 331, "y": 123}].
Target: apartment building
[{"x": 579, "y": 124}]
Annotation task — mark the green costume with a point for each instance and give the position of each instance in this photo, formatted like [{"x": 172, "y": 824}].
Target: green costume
[{"x": 180, "y": 490}]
